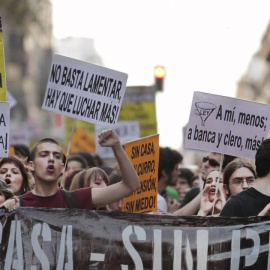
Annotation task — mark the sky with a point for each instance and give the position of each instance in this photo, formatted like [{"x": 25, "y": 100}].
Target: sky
[{"x": 205, "y": 45}]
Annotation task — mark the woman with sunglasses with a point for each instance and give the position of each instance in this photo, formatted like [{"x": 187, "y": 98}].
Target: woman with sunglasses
[{"x": 13, "y": 171}]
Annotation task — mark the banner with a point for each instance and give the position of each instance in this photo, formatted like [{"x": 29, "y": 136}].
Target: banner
[
  {"x": 3, "y": 89},
  {"x": 227, "y": 125},
  {"x": 4, "y": 128},
  {"x": 84, "y": 91},
  {"x": 41, "y": 238},
  {"x": 144, "y": 155}
]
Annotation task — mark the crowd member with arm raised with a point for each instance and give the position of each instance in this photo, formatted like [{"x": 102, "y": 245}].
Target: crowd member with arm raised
[{"x": 47, "y": 165}]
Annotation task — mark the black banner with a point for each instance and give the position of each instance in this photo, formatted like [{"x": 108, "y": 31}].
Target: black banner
[{"x": 40, "y": 238}]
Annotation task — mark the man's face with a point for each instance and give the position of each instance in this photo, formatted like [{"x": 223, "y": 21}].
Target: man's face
[
  {"x": 47, "y": 165},
  {"x": 210, "y": 162},
  {"x": 174, "y": 175}
]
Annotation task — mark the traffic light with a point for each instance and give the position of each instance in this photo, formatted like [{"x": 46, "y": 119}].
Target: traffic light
[{"x": 159, "y": 77}]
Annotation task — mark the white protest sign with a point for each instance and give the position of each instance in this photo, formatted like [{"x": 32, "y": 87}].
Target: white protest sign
[
  {"x": 19, "y": 136},
  {"x": 11, "y": 99},
  {"x": 126, "y": 130},
  {"x": 84, "y": 91},
  {"x": 226, "y": 125},
  {"x": 4, "y": 128}
]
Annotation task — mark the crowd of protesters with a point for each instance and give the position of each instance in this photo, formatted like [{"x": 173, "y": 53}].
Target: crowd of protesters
[{"x": 222, "y": 185}]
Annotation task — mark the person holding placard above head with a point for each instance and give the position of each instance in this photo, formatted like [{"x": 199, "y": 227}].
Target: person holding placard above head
[{"x": 46, "y": 164}]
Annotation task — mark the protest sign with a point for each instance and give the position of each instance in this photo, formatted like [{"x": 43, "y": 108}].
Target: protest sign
[
  {"x": 4, "y": 128},
  {"x": 20, "y": 136},
  {"x": 3, "y": 94},
  {"x": 38, "y": 238},
  {"x": 84, "y": 91},
  {"x": 144, "y": 154},
  {"x": 126, "y": 130},
  {"x": 11, "y": 99},
  {"x": 82, "y": 141},
  {"x": 139, "y": 104},
  {"x": 226, "y": 125}
]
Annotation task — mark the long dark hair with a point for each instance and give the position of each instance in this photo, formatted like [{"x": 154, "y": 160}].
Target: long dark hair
[{"x": 233, "y": 166}]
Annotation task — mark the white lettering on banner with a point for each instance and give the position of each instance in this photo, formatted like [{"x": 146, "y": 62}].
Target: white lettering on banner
[
  {"x": 177, "y": 258},
  {"x": 253, "y": 256},
  {"x": 44, "y": 231},
  {"x": 14, "y": 242},
  {"x": 202, "y": 252},
  {"x": 66, "y": 244},
  {"x": 141, "y": 235},
  {"x": 183, "y": 244},
  {"x": 157, "y": 263}
]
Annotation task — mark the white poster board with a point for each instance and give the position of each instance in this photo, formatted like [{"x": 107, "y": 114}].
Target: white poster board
[
  {"x": 19, "y": 136},
  {"x": 11, "y": 99},
  {"x": 4, "y": 128},
  {"x": 84, "y": 91},
  {"x": 126, "y": 130},
  {"x": 226, "y": 125}
]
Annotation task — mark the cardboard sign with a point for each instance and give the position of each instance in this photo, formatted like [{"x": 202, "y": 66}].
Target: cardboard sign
[
  {"x": 226, "y": 125},
  {"x": 144, "y": 154},
  {"x": 3, "y": 90},
  {"x": 4, "y": 128},
  {"x": 82, "y": 141},
  {"x": 84, "y": 91},
  {"x": 139, "y": 104},
  {"x": 126, "y": 130}
]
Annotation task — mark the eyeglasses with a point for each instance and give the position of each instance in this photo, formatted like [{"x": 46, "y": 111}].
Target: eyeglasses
[
  {"x": 212, "y": 162},
  {"x": 240, "y": 181}
]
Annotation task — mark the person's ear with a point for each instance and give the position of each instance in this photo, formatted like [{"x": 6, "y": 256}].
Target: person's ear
[
  {"x": 164, "y": 174},
  {"x": 226, "y": 190},
  {"x": 63, "y": 168},
  {"x": 31, "y": 166}
]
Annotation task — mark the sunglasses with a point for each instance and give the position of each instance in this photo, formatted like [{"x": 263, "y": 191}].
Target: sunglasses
[{"x": 212, "y": 162}]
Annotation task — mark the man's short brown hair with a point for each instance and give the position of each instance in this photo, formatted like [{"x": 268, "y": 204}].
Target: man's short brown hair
[{"x": 45, "y": 140}]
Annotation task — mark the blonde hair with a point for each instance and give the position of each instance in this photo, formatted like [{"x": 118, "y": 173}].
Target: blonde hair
[{"x": 85, "y": 177}]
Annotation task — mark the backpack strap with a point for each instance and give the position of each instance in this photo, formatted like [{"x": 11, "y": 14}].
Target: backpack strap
[
  {"x": 20, "y": 199},
  {"x": 70, "y": 199}
]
